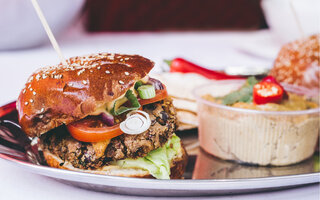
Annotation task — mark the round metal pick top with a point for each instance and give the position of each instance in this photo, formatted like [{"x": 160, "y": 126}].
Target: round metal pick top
[{"x": 137, "y": 122}]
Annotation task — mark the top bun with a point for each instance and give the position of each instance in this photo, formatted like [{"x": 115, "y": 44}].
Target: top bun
[
  {"x": 298, "y": 63},
  {"x": 63, "y": 94}
]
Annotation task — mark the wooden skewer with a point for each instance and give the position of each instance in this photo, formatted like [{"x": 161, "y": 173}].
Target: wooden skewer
[
  {"x": 48, "y": 31},
  {"x": 297, "y": 19}
]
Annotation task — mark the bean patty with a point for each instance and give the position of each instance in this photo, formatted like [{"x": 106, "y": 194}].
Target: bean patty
[{"x": 83, "y": 155}]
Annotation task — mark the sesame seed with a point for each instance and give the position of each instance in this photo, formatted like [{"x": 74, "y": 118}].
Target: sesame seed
[
  {"x": 121, "y": 82},
  {"x": 42, "y": 109},
  {"x": 24, "y": 91},
  {"x": 121, "y": 59},
  {"x": 34, "y": 93},
  {"x": 84, "y": 82},
  {"x": 31, "y": 100},
  {"x": 80, "y": 72},
  {"x": 99, "y": 67},
  {"x": 38, "y": 77},
  {"x": 26, "y": 103},
  {"x": 126, "y": 73},
  {"x": 126, "y": 58},
  {"x": 107, "y": 72},
  {"x": 30, "y": 89}
]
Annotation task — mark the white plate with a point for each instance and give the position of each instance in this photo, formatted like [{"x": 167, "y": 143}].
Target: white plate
[{"x": 216, "y": 176}]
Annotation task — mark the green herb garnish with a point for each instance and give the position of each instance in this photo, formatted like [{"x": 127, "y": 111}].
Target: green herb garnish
[
  {"x": 244, "y": 94},
  {"x": 138, "y": 84},
  {"x": 118, "y": 109}
]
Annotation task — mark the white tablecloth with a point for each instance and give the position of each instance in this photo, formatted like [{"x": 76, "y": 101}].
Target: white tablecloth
[{"x": 212, "y": 49}]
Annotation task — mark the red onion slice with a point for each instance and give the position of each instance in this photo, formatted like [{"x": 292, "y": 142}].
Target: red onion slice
[
  {"x": 107, "y": 119},
  {"x": 156, "y": 84}
]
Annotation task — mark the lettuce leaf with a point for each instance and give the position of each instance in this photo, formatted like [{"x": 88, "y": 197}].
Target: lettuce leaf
[
  {"x": 157, "y": 162},
  {"x": 316, "y": 165}
]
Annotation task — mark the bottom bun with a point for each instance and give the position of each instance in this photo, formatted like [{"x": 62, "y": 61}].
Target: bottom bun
[{"x": 177, "y": 166}]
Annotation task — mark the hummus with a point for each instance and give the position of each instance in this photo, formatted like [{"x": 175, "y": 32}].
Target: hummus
[
  {"x": 251, "y": 135},
  {"x": 293, "y": 103}
]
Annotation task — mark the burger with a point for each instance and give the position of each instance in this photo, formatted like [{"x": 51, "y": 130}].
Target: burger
[{"x": 102, "y": 114}]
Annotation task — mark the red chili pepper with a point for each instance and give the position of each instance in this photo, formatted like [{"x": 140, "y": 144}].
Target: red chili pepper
[
  {"x": 267, "y": 92},
  {"x": 184, "y": 66},
  {"x": 271, "y": 79}
]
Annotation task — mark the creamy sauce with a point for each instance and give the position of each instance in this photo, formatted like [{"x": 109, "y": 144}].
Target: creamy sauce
[{"x": 105, "y": 108}]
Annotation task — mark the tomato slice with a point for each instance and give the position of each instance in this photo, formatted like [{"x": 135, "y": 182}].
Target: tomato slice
[
  {"x": 93, "y": 130},
  {"x": 160, "y": 95}
]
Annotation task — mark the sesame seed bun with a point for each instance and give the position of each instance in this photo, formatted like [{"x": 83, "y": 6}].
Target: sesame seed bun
[
  {"x": 298, "y": 63},
  {"x": 63, "y": 94},
  {"x": 177, "y": 167}
]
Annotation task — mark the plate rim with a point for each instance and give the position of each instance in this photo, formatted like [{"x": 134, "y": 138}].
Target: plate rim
[{"x": 183, "y": 184}]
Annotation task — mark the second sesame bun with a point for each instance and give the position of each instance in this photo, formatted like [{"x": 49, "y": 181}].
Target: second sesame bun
[
  {"x": 298, "y": 63},
  {"x": 63, "y": 94}
]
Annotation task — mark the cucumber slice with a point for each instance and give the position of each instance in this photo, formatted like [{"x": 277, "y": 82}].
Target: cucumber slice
[{"x": 146, "y": 91}]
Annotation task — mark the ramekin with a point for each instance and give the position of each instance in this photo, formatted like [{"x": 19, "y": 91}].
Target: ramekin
[{"x": 252, "y": 136}]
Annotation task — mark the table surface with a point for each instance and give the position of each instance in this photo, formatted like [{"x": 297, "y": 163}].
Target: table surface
[{"x": 211, "y": 49}]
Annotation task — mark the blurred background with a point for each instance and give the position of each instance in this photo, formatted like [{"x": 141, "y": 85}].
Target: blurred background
[{"x": 211, "y": 33}]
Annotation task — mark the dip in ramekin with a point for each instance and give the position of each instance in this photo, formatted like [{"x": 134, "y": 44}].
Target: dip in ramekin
[{"x": 258, "y": 136}]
